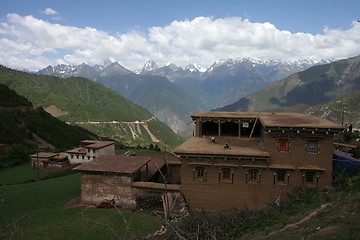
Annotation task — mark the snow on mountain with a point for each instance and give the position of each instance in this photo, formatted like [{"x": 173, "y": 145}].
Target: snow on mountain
[
  {"x": 192, "y": 67},
  {"x": 148, "y": 67}
]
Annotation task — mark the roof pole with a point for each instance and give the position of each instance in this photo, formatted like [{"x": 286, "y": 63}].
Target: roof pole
[{"x": 252, "y": 130}]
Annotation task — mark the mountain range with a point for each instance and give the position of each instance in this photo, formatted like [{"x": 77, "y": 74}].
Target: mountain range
[
  {"x": 172, "y": 93},
  {"x": 328, "y": 90}
]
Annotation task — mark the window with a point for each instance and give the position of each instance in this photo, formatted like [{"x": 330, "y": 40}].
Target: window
[
  {"x": 200, "y": 174},
  {"x": 226, "y": 175},
  {"x": 281, "y": 177},
  {"x": 310, "y": 177},
  {"x": 283, "y": 145},
  {"x": 253, "y": 176},
  {"x": 312, "y": 146}
]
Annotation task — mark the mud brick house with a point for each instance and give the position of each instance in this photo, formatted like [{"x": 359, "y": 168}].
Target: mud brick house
[
  {"x": 46, "y": 160},
  {"x": 244, "y": 159},
  {"x": 123, "y": 178},
  {"x": 89, "y": 150}
]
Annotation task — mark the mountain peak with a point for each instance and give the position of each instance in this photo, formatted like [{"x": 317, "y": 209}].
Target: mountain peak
[
  {"x": 148, "y": 67},
  {"x": 192, "y": 67},
  {"x": 173, "y": 66},
  {"x": 108, "y": 62},
  {"x": 114, "y": 68}
]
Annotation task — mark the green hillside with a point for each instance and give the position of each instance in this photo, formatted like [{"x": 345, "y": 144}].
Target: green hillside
[
  {"x": 86, "y": 101},
  {"x": 316, "y": 85},
  {"x": 21, "y": 124},
  {"x": 344, "y": 110}
]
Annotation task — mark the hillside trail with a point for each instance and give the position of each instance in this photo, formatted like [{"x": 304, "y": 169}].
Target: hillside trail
[
  {"x": 310, "y": 215},
  {"x": 130, "y": 125}
]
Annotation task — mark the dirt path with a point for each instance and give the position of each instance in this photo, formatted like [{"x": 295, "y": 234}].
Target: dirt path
[
  {"x": 310, "y": 215},
  {"x": 131, "y": 127},
  {"x": 153, "y": 138}
]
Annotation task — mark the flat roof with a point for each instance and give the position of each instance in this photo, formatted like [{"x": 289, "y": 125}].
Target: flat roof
[
  {"x": 44, "y": 155},
  {"x": 168, "y": 157},
  {"x": 78, "y": 150},
  {"x": 126, "y": 164},
  {"x": 97, "y": 144},
  {"x": 204, "y": 145},
  {"x": 115, "y": 164},
  {"x": 274, "y": 119}
]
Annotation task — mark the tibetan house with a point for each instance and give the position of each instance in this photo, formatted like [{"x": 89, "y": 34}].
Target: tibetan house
[{"x": 244, "y": 159}]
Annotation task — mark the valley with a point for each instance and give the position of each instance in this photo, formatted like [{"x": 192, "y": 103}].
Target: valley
[{"x": 172, "y": 93}]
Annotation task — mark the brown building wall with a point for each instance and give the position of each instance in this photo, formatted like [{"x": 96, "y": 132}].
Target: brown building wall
[
  {"x": 96, "y": 187},
  {"x": 215, "y": 195},
  {"x": 298, "y": 157}
]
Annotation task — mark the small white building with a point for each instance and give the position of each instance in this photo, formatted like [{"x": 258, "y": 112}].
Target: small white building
[{"x": 89, "y": 150}]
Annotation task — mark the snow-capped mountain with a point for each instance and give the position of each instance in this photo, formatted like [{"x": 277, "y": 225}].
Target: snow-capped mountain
[
  {"x": 223, "y": 83},
  {"x": 193, "y": 67},
  {"x": 148, "y": 67},
  {"x": 65, "y": 71},
  {"x": 84, "y": 70}
]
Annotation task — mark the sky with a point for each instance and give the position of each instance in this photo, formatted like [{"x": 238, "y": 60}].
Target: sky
[{"x": 38, "y": 33}]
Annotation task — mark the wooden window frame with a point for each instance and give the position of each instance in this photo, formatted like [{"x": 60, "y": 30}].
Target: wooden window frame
[
  {"x": 203, "y": 176},
  {"x": 223, "y": 179},
  {"x": 315, "y": 143},
  {"x": 315, "y": 178},
  {"x": 286, "y": 176},
  {"x": 253, "y": 176},
  {"x": 279, "y": 143}
]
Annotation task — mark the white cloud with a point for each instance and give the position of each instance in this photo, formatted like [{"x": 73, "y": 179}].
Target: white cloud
[
  {"x": 49, "y": 11},
  {"x": 28, "y": 42}
]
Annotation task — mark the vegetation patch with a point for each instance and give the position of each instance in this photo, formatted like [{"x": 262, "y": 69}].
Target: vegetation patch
[
  {"x": 306, "y": 213},
  {"x": 32, "y": 211}
]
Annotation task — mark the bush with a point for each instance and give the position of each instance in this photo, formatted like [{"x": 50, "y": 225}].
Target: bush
[
  {"x": 16, "y": 155},
  {"x": 149, "y": 201}
]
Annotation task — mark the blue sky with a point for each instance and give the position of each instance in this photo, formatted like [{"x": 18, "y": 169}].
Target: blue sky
[{"x": 132, "y": 32}]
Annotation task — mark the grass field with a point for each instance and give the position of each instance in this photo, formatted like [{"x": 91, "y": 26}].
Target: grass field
[
  {"x": 20, "y": 174},
  {"x": 36, "y": 210}
]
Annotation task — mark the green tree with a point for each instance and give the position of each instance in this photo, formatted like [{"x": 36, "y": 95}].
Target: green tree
[{"x": 17, "y": 154}]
